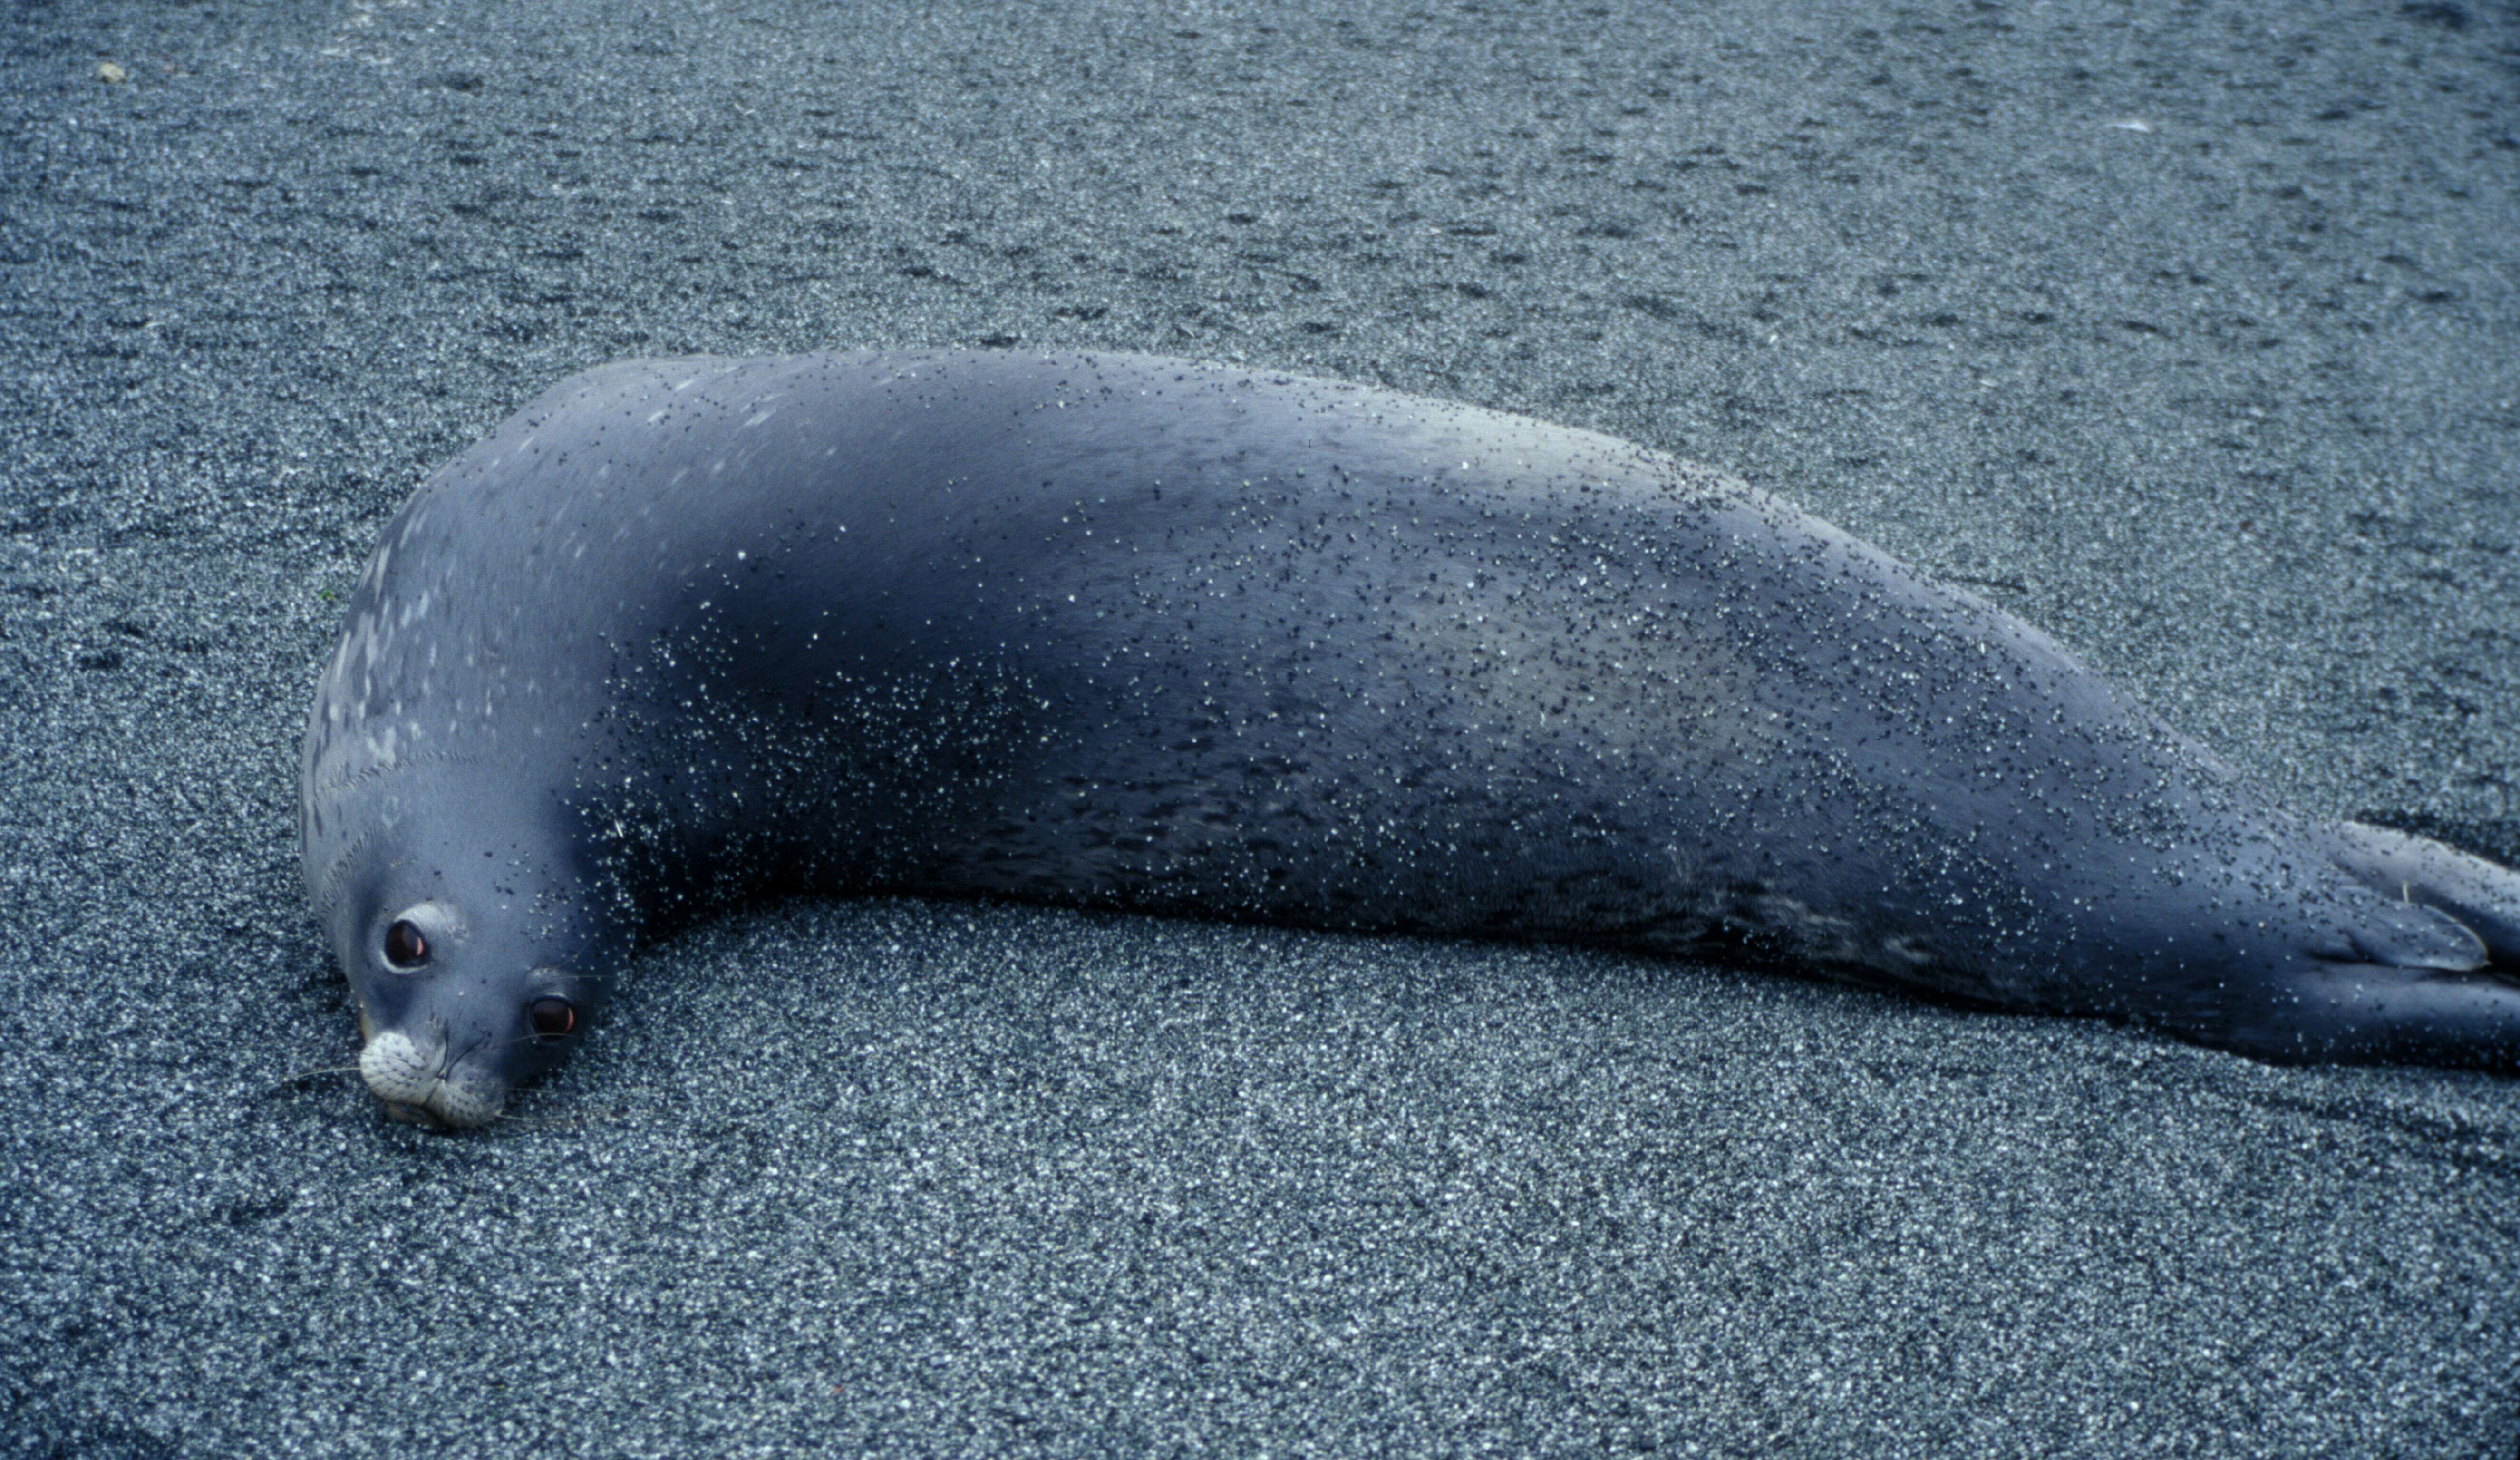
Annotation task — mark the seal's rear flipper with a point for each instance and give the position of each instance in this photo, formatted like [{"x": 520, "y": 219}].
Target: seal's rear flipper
[
  {"x": 2372, "y": 1013},
  {"x": 2485, "y": 898}
]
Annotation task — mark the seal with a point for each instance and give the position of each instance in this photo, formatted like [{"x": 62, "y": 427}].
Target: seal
[{"x": 1128, "y": 632}]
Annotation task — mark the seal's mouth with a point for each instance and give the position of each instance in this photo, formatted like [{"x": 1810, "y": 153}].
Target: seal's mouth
[
  {"x": 413, "y": 1115},
  {"x": 447, "y": 1107},
  {"x": 420, "y": 1085}
]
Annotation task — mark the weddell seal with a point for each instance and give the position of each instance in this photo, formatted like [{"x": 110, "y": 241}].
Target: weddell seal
[{"x": 1128, "y": 632}]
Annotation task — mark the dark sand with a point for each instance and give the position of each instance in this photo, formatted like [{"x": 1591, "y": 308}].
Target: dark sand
[{"x": 2194, "y": 340}]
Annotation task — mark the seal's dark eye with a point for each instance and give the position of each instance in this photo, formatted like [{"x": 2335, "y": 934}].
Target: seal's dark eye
[
  {"x": 404, "y": 946},
  {"x": 552, "y": 1018}
]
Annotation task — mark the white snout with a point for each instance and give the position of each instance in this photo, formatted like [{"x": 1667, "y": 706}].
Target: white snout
[{"x": 411, "y": 1079}]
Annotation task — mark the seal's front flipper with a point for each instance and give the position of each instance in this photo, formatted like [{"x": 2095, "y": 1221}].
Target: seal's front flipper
[{"x": 2483, "y": 897}]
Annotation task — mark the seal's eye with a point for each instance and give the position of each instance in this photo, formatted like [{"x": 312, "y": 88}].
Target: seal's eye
[
  {"x": 405, "y": 948},
  {"x": 552, "y": 1018}
]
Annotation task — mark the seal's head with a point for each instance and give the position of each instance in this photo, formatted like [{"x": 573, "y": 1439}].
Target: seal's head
[
  {"x": 472, "y": 961},
  {"x": 451, "y": 1020}
]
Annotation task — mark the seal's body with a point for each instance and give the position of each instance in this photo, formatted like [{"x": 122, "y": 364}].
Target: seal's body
[{"x": 1131, "y": 632}]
